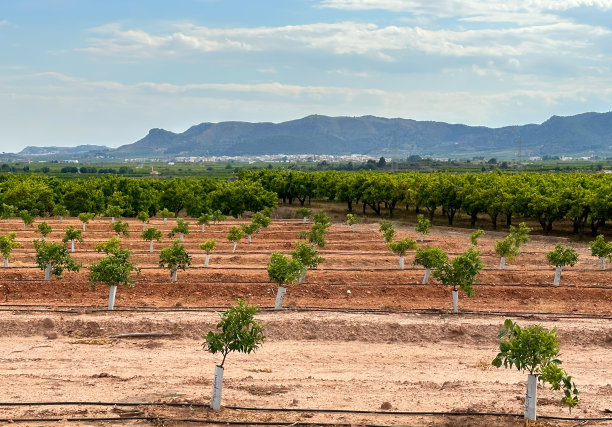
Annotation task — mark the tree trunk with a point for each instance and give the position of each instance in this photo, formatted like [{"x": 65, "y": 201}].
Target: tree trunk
[
  {"x": 421, "y": 237},
  {"x": 557, "y": 278},
  {"x": 509, "y": 219},
  {"x": 401, "y": 262},
  {"x": 144, "y": 226},
  {"x": 234, "y": 249},
  {"x": 206, "y": 259},
  {"x": 72, "y": 246},
  {"x": 494, "y": 220},
  {"x": 111, "y": 297},
  {"x": 203, "y": 227},
  {"x": 48, "y": 272},
  {"x": 181, "y": 237},
  {"x": 215, "y": 400},
  {"x": 602, "y": 263},
  {"x": 280, "y": 297},
  {"x": 174, "y": 275},
  {"x": 83, "y": 226},
  {"x": 531, "y": 397},
  {"x": 112, "y": 219},
  {"x": 6, "y": 262},
  {"x": 151, "y": 246},
  {"x": 473, "y": 218},
  {"x": 304, "y": 220},
  {"x": 61, "y": 219},
  {"x": 426, "y": 276},
  {"x": 455, "y": 301},
  {"x": 248, "y": 238},
  {"x": 502, "y": 263},
  {"x": 354, "y": 227},
  {"x": 165, "y": 220},
  {"x": 350, "y": 205}
]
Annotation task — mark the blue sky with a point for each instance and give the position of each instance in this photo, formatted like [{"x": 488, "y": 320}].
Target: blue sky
[{"x": 105, "y": 72}]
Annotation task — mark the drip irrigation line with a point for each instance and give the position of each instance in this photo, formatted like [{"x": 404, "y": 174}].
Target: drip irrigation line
[{"x": 299, "y": 410}]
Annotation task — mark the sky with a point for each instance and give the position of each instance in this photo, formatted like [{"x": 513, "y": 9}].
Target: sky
[{"x": 105, "y": 72}]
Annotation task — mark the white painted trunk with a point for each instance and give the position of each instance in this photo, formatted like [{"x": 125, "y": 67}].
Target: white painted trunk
[
  {"x": 144, "y": 226},
  {"x": 421, "y": 237},
  {"x": 165, "y": 219},
  {"x": 61, "y": 219},
  {"x": 111, "y": 297},
  {"x": 280, "y": 297},
  {"x": 302, "y": 277},
  {"x": 314, "y": 246},
  {"x": 206, "y": 259},
  {"x": 118, "y": 236},
  {"x": 6, "y": 262},
  {"x": 181, "y": 237},
  {"x": 151, "y": 246},
  {"x": 203, "y": 227},
  {"x": 215, "y": 400},
  {"x": 426, "y": 276},
  {"x": 48, "y": 272},
  {"x": 43, "y": 238},
  {"x": 531, "y": 397},
  {"x": 112, "y": 219},
  {"x": 401, "y": 263},
  {"x": 24, "y": 225},
  {"x": 602, "y": 262},
  {"x": 557, "y": 279},
  {"x": 455, "y": 301},
  {"x": 83, "y": 226},
  {"x": 502, "y": 263},
  {"x": 248, "y": 238},
  {"x": 234, "y": 248},
  {"x": 72, "y": 246},
  {"x": 304, "y": 220},
  {"x": 354, "y": 227},
  {"x": 174, "y": 275}
]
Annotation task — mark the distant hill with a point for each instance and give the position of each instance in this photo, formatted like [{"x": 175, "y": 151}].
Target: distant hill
[
  {"x": 45, "y": 151},
  {"x": 583, "y": 134}
]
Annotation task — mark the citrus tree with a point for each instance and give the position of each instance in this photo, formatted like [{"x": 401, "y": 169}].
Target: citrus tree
[
  {"x": 85, "y": 217},
  {"x": 110, "y": 246},
  {"x": 249, "y": 229},
  {"x": 208, "y": 246},
  {"x": 7, "y": 244},
  {"x": 316, "y": 236},
  {"x": 174, "y": 257},
  {"x": 401, "y": 247},
  {"x": 8, "y": 211},
  {"x": 261, "y": 219},
  {"x": 71, "y": 235},
  {"x": 462, "y": 272},
  {"x": 430, "y": 257},
  {"x": 352, "y": 220},
  {"x": 26, "y": 217},
  {"x": 54, "y": 258},
  {"x": 113, "y": 211},
  {"x": 601, "y": 249},
  {"x": 113, "y": 270},
  {"x": 475, "y": 236},
  {"x": 60, "y": 211},
  {"x": 144, "y": 218},
  {"x": 204, "y": 220},
  {"x": 237, "y": 331},
  {"x": 151, "y": 234},
  {"x": 181, "y": 228},
  {"x": 560, "y": 257},
  {"x": 307, "y": 256},
  {"x": 283, "y": 271},
  {"x": 165, "y": 214},
  {"x": 120, "y": 227},
  {"x": 423, "y": 226},
  {"x": 536, "y": 350},
  {"x": 217, "y": 216},
  {"x": 510, "y": 247},
  {"x": 388, "y": 235},
  {"x": 322, "y": 219},
  {"x": 234, "y": 235},
  {"x": 44, "y": 229},
  {"x": 303, "y": 213}
]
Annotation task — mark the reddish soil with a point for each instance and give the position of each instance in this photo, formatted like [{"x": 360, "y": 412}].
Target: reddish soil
[{"x": 412, "y": 356}]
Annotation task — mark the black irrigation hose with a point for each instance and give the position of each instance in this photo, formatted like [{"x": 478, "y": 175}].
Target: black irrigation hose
[{"x": 313, "y": 410}]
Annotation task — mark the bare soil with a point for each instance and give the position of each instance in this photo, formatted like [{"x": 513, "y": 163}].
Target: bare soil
[{"x": 57, "y": 341}]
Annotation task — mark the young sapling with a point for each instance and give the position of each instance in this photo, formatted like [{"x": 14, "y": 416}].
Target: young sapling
[
  {"x": 60, "y": 211},
  {"x": 26, "y": 217},
  {"x": 601, "y": 249},
  {"x": 53, "y": 258},
  {"x": 423, "y": 226},
  {"x": 85, "y": 217},
  {"x": 144, "y": 218},
  {"x": 208, "y": 246},
  {"x": 204, "y": 220},
  {"x": 113, "y": 211},
  {"x": 307, "y": 256},
  {"x": 249, "y": 229},
  {"x": 217, "y": 216},
  {"x": 430, "y": 257},
  {"x": 165, "y": 214},
  {"x": 560, "y": 257},
  {"x": 238, "y": 331},
  {"x": 120, "y": 227},
  {"x": 44, "y": 229},
  {"x": 174, "y": 257},
  {"x": 303, "y": 213},
  {"x": 352, "y": 220},
  {"x": 401, "y": 247},
  {"x": 7, "y": 244},
  {"x": 475, "y": 236},
  {"x": 461, "y": 272},
  {"x": 181, "y": 228},
  {"x": 151, "y": 234},
  {"x": 71, "y": 235},
  {"x": 234, "y": 235},
  {"x": 283, "y": 271}
]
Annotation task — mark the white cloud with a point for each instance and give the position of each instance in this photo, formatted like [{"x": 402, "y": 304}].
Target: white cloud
[
  {"x": 4, "y": 22},
  {"x": 348, "y": 38}
]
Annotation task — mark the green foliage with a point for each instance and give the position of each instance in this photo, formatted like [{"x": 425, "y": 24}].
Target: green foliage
[
  {"x": 181, "y": 226},
  {"x": 520, "y": 234},
  {"x": 430, "y": 257},
  {"x": 174, "y": 257},
  {"x": 536, "y": 350},
  {"x": 316, "y": 235},
  {"x": 72, "y": 234},
  {"x": 204, "y": 219},
  {"x": 238, "y": 332},
  {"x": 461, "y": 271},
  {"x": 113, "y": 270},
  {"x": 8, "y": 211},
  {"x": 261, "y": 219},
  {"x": 282, "y": 270},
  {"x": 236, "y": 197},
  {"x": 165, "y": 213},
  {"x": 475, "y": 236},
  {"x": 8, "y": 243},
  {"x": 143, "y": 216},
  {"x": 114, "y": 211},
  {"x": 249, "y": 229},
  {"x": 44, "y": 229},
  {"x": 306, "y": 255},
  {"x": 388, "y": 235},
  {"x": 351, "y": 219},
  {"x": 235, "y": 234},
  {"x": 85, "y": 217},
  {"x": 218, "y": 216},
  {"x": 423, "y": 224},
  {"x": 562, "y": 256},
  {"x": 151, "y": 233},
  {"x": 26, "y": 217},
  {"x": 510, "y": 246},
  {"x": 56, "y": 255},
  {"x": 401, "y": 246},
  {"x": 384, "y": 225},
  {"x": 303, "y": 212},
  {"x": 322, "y": 219},
  {"x": 59, "y": 210},
  {"x": 109, "y": 247},
  {"x": 120, "y": 227},
  {"x": 208, "y": 246},
  {"x": 600, "y": 248}
]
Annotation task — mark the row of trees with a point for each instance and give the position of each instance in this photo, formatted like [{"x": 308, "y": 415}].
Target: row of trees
[
  {"x": 114, "y": 196},
  {"x": 583, "y": 199}
]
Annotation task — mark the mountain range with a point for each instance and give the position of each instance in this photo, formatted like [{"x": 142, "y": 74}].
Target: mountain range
[{"x": 579, "y": 135}]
